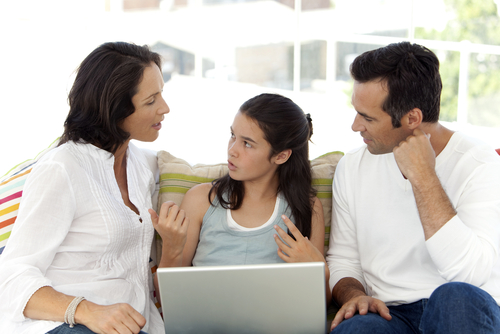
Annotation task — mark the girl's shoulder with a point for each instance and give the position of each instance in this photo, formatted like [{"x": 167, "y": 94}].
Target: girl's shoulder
[
  {"x": 199, "y": 190},
  {"x": 196, "y": 200}
]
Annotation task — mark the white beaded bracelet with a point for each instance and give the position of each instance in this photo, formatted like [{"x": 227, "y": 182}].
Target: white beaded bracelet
[{"x": 69, "y": 316}]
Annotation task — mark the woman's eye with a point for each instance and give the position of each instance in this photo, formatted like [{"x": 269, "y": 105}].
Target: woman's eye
[
  {"x": 248, "y": 145},
  {"x": 150, "y": 103},
  {"x": 232, "y": 135}
]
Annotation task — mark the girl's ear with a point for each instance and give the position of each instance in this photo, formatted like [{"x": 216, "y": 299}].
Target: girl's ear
[{"x": 282, "y": 157}]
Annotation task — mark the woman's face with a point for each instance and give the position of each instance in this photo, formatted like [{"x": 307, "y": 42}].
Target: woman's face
[
  {"x": 248, "y": 151},
  {"x": 150, "y": 107}
]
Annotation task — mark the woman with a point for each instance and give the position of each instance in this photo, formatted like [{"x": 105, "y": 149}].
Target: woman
[
  {"x": 237, "y": 219},
  {"x": 79, "y": 250}
]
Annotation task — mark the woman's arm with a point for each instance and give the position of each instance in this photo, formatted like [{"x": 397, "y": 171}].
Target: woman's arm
[{"x": 48, "y": 304}]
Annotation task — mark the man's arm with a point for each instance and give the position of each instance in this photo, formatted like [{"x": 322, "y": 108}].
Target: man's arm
[
  {"x": 343, "y": 258},
  {"x": 350, "y": 294},
  {"x": 416, "y": 159},
  {"x": 461, "y": 226}
]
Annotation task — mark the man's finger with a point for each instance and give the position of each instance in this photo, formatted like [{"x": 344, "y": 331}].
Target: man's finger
[{"x": 338, "y": 319}]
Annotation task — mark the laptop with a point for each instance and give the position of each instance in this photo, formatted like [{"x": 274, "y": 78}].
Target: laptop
[{"x": 267, "y": 298}]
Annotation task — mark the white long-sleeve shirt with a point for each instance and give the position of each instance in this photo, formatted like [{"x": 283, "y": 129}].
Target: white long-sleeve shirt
[
  {"x": 75, "y": 234},
  {"x": 378, "y": 239}
]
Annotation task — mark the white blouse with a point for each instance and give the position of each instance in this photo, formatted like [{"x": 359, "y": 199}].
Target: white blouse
[{"x": 75, "y": 234}]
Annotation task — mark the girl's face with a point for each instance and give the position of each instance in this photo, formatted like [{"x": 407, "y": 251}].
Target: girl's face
[
  {"x": 248, "y": 152},
  {"x": 145, "y": 122}
]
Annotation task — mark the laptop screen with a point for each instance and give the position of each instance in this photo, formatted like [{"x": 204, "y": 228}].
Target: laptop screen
[{"x": 268, "y": 298}]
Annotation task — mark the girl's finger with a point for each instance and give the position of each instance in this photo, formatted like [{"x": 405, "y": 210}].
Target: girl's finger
[
  {"x": 165, "y": 207},
  {"x": 291, "y": 227},
  {"x": 280, "y": 243},
  {"x": 284, "y": 236},
  {"x": 154, "y": 216}
]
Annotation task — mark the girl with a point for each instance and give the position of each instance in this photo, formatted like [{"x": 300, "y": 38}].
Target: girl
[{"x": 237, "y": 218}]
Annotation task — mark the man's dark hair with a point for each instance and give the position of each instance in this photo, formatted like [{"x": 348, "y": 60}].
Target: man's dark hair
[
  {"x": 101, "y": 96},
  {"x": 411, "y": 73}
]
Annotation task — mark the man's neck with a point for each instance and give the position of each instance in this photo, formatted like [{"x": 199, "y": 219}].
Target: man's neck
[{"x": 440, "y": 136}]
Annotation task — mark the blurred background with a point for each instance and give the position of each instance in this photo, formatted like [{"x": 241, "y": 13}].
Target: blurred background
[{"x": 219, "y": 53}]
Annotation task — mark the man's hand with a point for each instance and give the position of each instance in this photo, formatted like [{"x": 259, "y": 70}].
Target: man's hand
[
  {"x": 362, "y": 305},
  {"x": 415, "y": 156}
]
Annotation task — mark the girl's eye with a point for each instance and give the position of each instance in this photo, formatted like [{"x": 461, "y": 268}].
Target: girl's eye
[
  {"x": 248, "y": 145},
  {"x": 232, "y": 135}
]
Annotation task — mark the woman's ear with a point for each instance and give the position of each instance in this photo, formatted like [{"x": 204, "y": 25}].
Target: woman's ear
[
  {"x": 413, "y": 118},
  {"x": 282, "y": 157}
]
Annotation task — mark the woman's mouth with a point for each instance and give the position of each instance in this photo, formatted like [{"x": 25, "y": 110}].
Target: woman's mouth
[{"x": 157, "y": 126}]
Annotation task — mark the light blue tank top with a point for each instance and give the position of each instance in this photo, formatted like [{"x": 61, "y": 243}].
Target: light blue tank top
[{"x": 219, "y": 245}]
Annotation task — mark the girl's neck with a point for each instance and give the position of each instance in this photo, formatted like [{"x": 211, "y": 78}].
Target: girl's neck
[{"x": 261, "y": 190}]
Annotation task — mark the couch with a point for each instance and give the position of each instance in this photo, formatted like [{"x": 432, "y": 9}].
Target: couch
[{"x": 175, "y": 177}]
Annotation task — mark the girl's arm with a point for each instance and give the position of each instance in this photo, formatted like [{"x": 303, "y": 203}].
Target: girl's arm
[
  {"x": 179, "y": 227},
  {"x": 302, "y": 249},
  {"x": 195, "y": 204}
]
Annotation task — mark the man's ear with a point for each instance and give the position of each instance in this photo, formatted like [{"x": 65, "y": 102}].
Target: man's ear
[
  {"x": 413, "y": 119},
  {"x": 282, "y": 157}
]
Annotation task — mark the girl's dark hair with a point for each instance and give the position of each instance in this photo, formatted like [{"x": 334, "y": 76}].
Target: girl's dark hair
[
  {"x": 411, "y": 72},
  {"x": 285, "y": 126},
  {"x": 101, "y": 96}
]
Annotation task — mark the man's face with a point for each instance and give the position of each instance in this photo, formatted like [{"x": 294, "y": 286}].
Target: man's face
[{"x": 373, "y": 123}]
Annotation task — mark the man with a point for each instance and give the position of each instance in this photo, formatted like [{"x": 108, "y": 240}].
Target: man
[{"x": 415, "y": 237}]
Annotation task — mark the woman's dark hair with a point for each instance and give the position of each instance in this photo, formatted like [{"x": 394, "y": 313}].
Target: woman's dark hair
[
  {"x": 411, "y": 72},
  {"x": 285, "y": 126},
  {"x": 101, "y": 96}
]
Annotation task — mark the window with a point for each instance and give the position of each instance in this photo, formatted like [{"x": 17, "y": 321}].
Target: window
[{"x": 219, "y": 53}]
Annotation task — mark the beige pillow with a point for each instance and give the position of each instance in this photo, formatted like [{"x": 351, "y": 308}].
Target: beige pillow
[{"x": 177, "y": 176}]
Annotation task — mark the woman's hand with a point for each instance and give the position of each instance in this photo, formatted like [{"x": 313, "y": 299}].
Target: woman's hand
[
  {"x": 299, "y": 250},
  {"x": 172, "y": 225},
  {"x": 116, "y": 318}
]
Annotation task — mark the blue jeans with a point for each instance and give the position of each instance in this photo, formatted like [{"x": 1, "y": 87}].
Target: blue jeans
[
  {"x": 452, "y": 308},
  {"x": 78, "y": 329}
]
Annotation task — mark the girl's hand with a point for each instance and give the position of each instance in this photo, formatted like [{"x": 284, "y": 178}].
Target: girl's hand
[
  {"x": 172, "y": 225},
  {"x": 299, "y": 250}
]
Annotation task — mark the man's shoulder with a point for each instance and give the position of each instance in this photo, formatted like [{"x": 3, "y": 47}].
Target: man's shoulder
[
  {"x": 361, "y": 156},
  {"x": 469, "y": 147}
]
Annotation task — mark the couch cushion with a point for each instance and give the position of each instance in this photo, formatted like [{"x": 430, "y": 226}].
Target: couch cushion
[{"x": 177, "y": 176}]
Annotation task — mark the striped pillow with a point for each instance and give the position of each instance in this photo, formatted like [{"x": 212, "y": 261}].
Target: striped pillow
[
  {"x": 178, "y": 176},
  {"x": 11, "y": 190}
]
